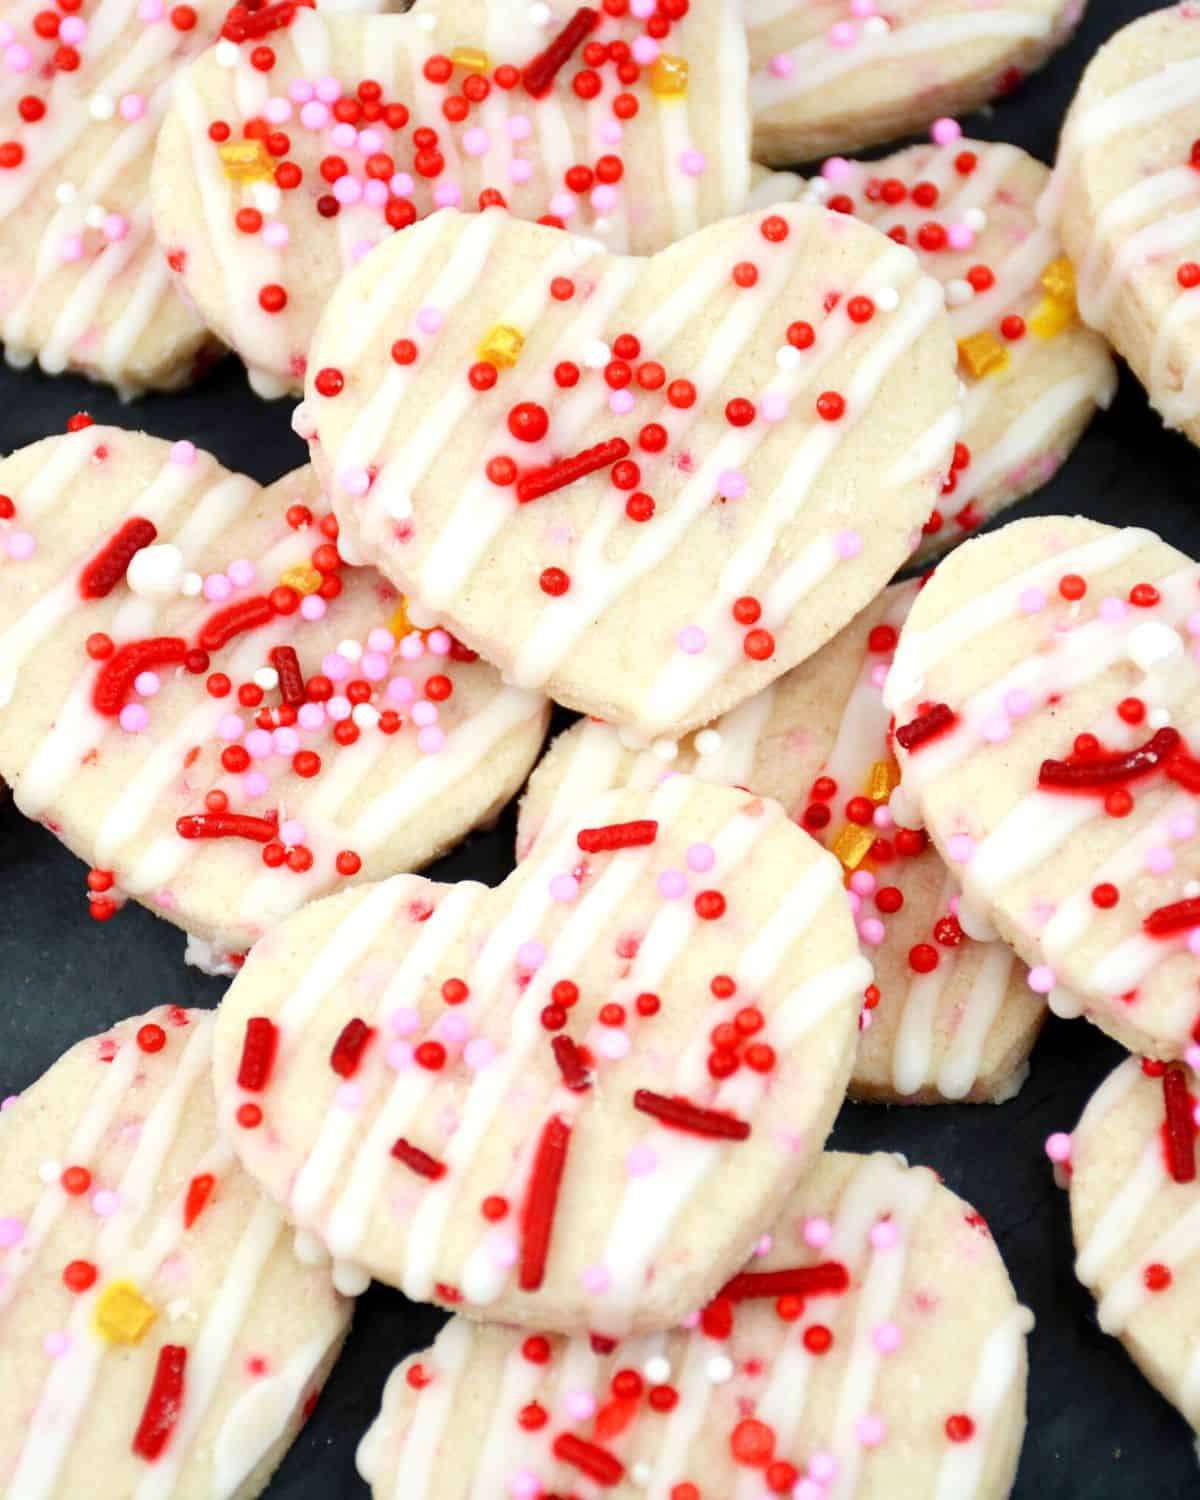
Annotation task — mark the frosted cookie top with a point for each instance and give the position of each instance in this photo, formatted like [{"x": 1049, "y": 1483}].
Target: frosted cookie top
[
  {"x": 1034, "y": 373},
  {"x": 1123, "y": 198},
  {"x": 158, "y": 1336},
  {"x": 837, "y": 75},
  {"x": 510, "y": 1101},
  {"x": 205, "y": 703},
  {"x": 646, "y": 487},
  {"x": 1135, "y": 1213},
  {"x": 279, "y": 167},
  {"x": 945, "y": 1017},
  {"x": 872, "y": 1348},
  {"x": 1046, "y": 693}
]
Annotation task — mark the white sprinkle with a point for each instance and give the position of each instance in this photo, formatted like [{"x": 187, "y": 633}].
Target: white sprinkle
[
  {"x": 422, "y": 618},
  {"x": 959, "y": 292},
  {"x": 640, "y": 1473},
  {"x": 876, "y": 26},
  {"x": 49, "y": 1172},
  {"x": 267, "y": 197},
  {"x": 397, "y": 504},
  {"x": 365, "y": 715},
  {"x": 707, "y": 742},
  {"x": 887, "y": 299},
  {"x": 719, "y": 1369},
  {"x": 596, "y": 354},
  {"x": 1158, "y": 718},
  {"x": 309, "y": 1249},
  {"x": 975, "y": 219},
  {"x": 539, "y": 13},
  {"x": 65, "y": 193},
  {"x": 156, "y": 572},
  {"x": 1153, "y": 643},
  {"x": 664, "y": 750},
  {"x": 177, "y": 1308},
  {"x": 95, "y": 216},
  {"x": 266, "y": 678},
  {"x": 787, "y": 357},
  {"x": 304, "y": 424},
  {"x": 191, "y": 584},
  {"x": 102, "y": 107},
  {"x": 657, "y": 1370},
  {"x": 820, "y": 189},
  {"x": 351, "y": 650},
  {"x": 350, "y": 1280},
  {"x": 425, "y": 22},
  {"x": 226, "y": 54}
]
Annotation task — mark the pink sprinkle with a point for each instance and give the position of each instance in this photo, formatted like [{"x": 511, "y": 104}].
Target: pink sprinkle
[
  {"x": 400, "y": 1056},
  {"x": 347, "y": 189},
  {"x": 620, "y": 402},
  {"x": 996, "y": 729},
  {"x": 822, "y": 1467},
  {"x": 1032, "y": 601},
  {"x": 151, "y": 10},
  {"x": 291, "y": 832},
  {"x": 731, "y": 484},
  {"x": 525, "y": 1485},
  {"x": 217, "y": 588},
  {"x": 405, "y": 1020},
  {"x": 945, "y": 130},
  {"x": 70, "y": 248},
  {"x": 843, "y": 34},
  {"x": 412, "y": 647},
  {"x": 336, "y": 667},
  {"x": 611, "y": 133},
  {"x": 329, "y": 89},
  {"x": 401, "y": 185},
  {"x": 1183, "y": 826},
  {"x": 672, "y": 884},
  {"x": 439, "y": 642},
  {"x": 312, "y": 607},
  {"x": 886, "y": 1338},
  {"x": 763, "y": 1247},
  {"x": 429, "y": 319},
  {"x": 960, "y": 236},
  {"x": 105, "y": 1203},
  {"x": 531, "y": 955},
  {"x": 692, "y": 162},
  {"x": 645, "y": 51},
  {"x": 613, "y": 1044},
  {"x": 259, "y": 743},
  {"x": 960, "y": 847},
  {"x": 369, "y": 141},
  {"x": 314, "y": 115},
  {"x": 430, "y": 741},
  {"x": 255, "y": 784},
  {"x": 1017, "y": 703},
  {"x": 183, "y": 453},
  {"x": 520, "y": 170},
  {"x": 132, "y": 107},
  {"x": 817, "y": 1232},
  {"x": 401, "y": 690},
  {"x": 447, "y": 195},
  {"x": 241, "y": 572},
  {"x": 520, "y": 128},
  {"x": 564, "y": 888},
  {"x": 479, "y": 1054},
  {"x": 146, "y": 684},
  {"x": 700, "y": 857},
  {"x": 73, "y": 30},
  {"x": 847, "y": 544},
  {"x": 375, "y": 192},
  {"x": 286, "y": 740},
  {"x": 1159, "y": 861},
  {"x": 872, "y": 931},
  {"x": 781, "y": 66},
  {"x": 230, "y": 727},
  {"x": 452, "y": 1028},
  {"x": 133, "y": 718},
  {"x": 1042, "y": 979},
  {"x": 349, "y": 1096},
  {"x": 595, "y": 1279},
  {"x": 20, "y": 545},
  {"x": 870, "y": 1431},
  {"x": 344, "y": 137},
  {"x": 301, "y": 91},
  {"x": 374, "y": 666},
  {"x": 381, "y": 639},
  {"x": 12, "y": 1232},
  {"x": 884, "y": 1235},
  {"x": 424, "y": 713},
  {"x": 1058, "y": 1147},
  {"x": 863, "y": 882},
  {"x": 808, "y": 1489},
  {"x": 275, "y": 234},
  {"x": 1112, "y": 609},
  {"x": 773, "y": 406},
  {"x": 502, "y": 1250},
  {"x": 339, "y": 708},
  {"x": 604, "y": 198},
  {"x": 278, "y": 111},
  {"x": 836, "y": 169},
  {"x": 1192, "y": 1056},
  {"x": 882, "y": 816},
  {"x": 641, "y": 1161},
  {"x": 476, "y": 141},
  {"x": 17, "y": 58},
  {"x": 56, "y": 1344},
  {"x": 692, "y": 639}
]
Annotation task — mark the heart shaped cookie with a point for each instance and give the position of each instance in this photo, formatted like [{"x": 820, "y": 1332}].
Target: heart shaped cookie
[
  {"x": 1034, "y": 373},
  {"x": 874, "y": 1335},
  {"x": 203, "y": 703},
  {"x": 160, "y": 1336},
  {"x": 628, "y": 124},
  {"x": 1124, "y": 202},
  {"x": 1135, "y": 1215},
  {"x": 1046, "y": 695},
  {"x": 837, "y": 75},
  {"x": 645, "y": 487},
  {"x": 946, "y": 1017},
  {"x": 514, "y": 1102}
]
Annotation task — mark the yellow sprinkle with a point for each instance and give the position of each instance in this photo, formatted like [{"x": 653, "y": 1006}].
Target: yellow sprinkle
[
  {"x": 1058, "y": 279},
  {"x": 246, "y": 161},
  {"x": 474, "y": 59},
  {"x": 669, "y": 75},
  {"x": 852, "y": 844},
  {"x": 502, "y": 346},
  {"x": 983, "y": 354},
  {"x": 400, "y": 625},
  {"x": 1051, "y": 317},
  {"x": 122, "y": 1314},
  {"x": 885, "y": 775},
  {"x": 303, "y": 579}
]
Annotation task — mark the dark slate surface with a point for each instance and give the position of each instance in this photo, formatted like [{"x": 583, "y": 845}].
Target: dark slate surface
[{"x": 1096, "y": 1430}]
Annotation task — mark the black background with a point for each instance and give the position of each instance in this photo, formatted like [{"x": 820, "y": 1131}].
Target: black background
[{"x": 1096, "y": 1429}]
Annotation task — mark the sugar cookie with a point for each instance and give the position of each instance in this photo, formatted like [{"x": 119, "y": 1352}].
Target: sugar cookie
[
  {"x": 1046, "y": 696},
  {"x": 160, "y": 1337},
  {"x": 527, "y": 1102},
  {"x": 207, "y": 706},
  {"x": 271, "y": 183},
  {"x": 684, "y": 475},
  {"x": 872, "y": 1348},
  {"x": 945, "y": 1018}
]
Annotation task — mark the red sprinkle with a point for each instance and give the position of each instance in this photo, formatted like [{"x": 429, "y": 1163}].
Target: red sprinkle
[
  {"x": 830, "y": 1277},
  {"x": 258, "y": 1053},
  {"x": 1100, "y": 773},
  {"x": 246, "y": 614},
  {"x": 1180, "y": 1126},
  {"x": 348, "y": 1050},
  {"x": 927, "y": 726},
  {"x": 417, "y": 1160},
  {"x": 1180, "y": 916},
  {"x": 291, "y": 679},
  {"x": 541, "y": 1200},
  {"x": 590, "y": 1459},
  {"x": 226, "y": 826},
  {"x": 617, "y": 836},
  {"x": 109, "y": 566},
  {"x": 557, "y": 476},
  {"x": 199, "y": 1192},
  {"x": 117, "y": 675},
  {"x": 538, "y": 75},
  {"x": 163, "y": 1404},
  {"x": 685, "y": 1115},
  {"x": 576, "y": 1074}
]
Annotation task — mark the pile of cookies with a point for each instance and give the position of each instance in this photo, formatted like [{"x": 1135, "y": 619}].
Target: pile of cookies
[{"x": 603, "y": 412}]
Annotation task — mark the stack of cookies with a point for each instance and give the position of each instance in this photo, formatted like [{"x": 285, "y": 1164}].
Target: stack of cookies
[{"x": 602, "y": 412}]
